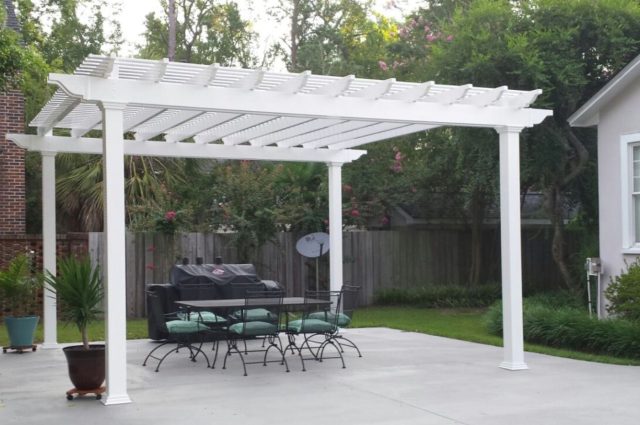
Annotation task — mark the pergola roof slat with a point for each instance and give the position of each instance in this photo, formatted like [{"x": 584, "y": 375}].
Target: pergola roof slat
[
  {"x": 353, "y": 134},
  {"x": 282, "y": 135},
  {"x": 230, "y": 127},
  {"x": 325, "y": 132},
  {"x": 383, "y": 135}
]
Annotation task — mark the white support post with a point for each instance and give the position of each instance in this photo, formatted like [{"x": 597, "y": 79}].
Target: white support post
[
  {"x": 114, "y": 255},
  {"x": 335, "y": 226},
  {"x": 510, "y": 234},
  {"x": 49, "y": 247}
]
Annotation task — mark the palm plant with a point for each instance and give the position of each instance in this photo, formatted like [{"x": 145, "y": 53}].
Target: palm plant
[
  {"x": 78, "y": 286},
  {"x": 80, "y": 186}
]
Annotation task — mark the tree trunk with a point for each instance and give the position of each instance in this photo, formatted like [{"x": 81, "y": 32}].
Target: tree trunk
[
  {"x": 558, "y": 251},
  {"x": 171, "y": 50},
  {"x": 295, "y": 34},
  {"x": 477, "y": 212}
]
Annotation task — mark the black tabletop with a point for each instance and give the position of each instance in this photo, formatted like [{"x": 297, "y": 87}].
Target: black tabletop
[{"x": 240, "y": 302}]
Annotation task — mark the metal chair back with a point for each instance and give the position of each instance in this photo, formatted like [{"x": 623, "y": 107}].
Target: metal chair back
[
  {"x": 331, "y": 311},
  {"x": 350, "y": 299}
]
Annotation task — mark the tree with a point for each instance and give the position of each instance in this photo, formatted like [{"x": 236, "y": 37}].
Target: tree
[
  {"x": 69, "y": 38},
  {"x": 336, "y": 37},
  {"x": 60, "y": 45},
  {"x": 247, "y": 201},
  {"x": 569, "y": 49},
  {"x": 206, "y": 32}
]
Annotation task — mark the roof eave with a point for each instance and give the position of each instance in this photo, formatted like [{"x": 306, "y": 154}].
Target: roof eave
[{"x": 589, "y": 114}]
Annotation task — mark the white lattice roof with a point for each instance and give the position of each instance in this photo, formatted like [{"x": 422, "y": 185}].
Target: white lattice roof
[{"x": 209, "y": 104}]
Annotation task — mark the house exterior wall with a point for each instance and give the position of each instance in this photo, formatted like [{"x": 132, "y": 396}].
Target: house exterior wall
[{"x": 620, "y": 116}]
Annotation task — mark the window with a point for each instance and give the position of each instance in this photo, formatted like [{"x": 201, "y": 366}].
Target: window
[
  {"x": 635, "y": 192},
  {"x": 630, "y": 179}
]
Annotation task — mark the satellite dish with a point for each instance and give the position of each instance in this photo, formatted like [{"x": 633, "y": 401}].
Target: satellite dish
[{"x": 313, "y": 245}]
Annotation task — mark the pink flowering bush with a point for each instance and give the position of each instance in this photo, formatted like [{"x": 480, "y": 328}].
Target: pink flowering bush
[{"x": 168, "y": 223}]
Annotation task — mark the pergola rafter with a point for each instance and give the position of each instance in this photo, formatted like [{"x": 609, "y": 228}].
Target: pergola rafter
[{"x": 210, "y": 111}]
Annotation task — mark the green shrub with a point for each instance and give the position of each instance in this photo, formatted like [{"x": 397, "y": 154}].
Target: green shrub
[
  {"x": 624, "y": 293},
  {"x": 450, "y": 296},
  {"x": 572, "y": 328}
]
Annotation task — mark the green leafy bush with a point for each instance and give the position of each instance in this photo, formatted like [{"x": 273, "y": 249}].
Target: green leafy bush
[
  {"x": 440, "y": 296},
  {"x": 572, "y": 328},
  {"x": 624, "y": 293},
  {"x": 18, "y": 287}
]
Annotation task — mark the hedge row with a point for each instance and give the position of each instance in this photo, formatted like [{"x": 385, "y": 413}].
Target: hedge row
[
  {"x": 449, "y": 296},
  {"x": 572, "y": 328}
]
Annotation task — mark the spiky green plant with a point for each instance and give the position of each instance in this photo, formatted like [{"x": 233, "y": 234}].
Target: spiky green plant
[{"x": 78, "y": 286}]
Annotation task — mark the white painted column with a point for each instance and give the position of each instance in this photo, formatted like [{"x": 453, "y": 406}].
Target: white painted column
[
  {"x": 49, "y": 247},
  {"x": 510, "y": 235},
  {"x": 335, "y": 226},
  {"x": 114, "y": 254}
]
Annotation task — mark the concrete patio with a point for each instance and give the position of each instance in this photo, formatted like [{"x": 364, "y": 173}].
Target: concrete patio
[{"x": 403, "y": 378}]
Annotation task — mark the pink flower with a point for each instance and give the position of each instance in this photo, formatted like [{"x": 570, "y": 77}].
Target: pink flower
[
  {"x": 449, "y": 38},
  {"x": 384, "y": 220},
  {"x": 397, "y": 167},
  {"x": 399, "y": 156},
  {"x": 170, "y": 215},
  {"x": 427, "y": 28},
  {"x": 355, "y": 213},
  {"x": 383, "y": 65},
  {"x": 431, "y": 37},
  {"x": 403, "y": 32}
]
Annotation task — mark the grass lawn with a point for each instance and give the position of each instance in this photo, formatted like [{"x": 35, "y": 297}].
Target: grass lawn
[{"x": 464, "y": 324}]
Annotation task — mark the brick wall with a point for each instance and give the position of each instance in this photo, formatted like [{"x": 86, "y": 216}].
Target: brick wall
[
  {"x": 12, "y": 171},
  {"x": 14, "y": 244}
]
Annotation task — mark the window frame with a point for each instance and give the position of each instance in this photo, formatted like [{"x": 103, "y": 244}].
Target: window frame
[{"x": 627, "y": 144}]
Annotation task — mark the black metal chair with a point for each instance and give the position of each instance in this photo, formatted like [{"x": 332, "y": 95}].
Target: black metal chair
[
  {"x": 216, "y": 328},
  {"x": 267, "y": 327},
  {"x": 349, "y": 306},
  {"x": 185, "y": 334},
  {"x": 318, "y": 325}
]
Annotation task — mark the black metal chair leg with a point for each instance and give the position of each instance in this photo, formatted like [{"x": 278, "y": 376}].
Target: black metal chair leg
[
  {"x": 154, "y": 350},
  {"x": 351, "y": 344}
]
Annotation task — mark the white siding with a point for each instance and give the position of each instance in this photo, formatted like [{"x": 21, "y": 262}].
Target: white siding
[{"x": 618, "y": 117}]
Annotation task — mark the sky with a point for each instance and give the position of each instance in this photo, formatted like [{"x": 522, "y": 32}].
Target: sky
[{"x": 134, "y": 12}]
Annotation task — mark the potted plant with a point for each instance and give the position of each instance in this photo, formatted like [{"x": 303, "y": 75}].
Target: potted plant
[
  {"x": 78, "y": 287},
  {"x": 18, "y": 288}
]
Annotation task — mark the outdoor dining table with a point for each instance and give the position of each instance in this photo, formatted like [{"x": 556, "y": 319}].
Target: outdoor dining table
[{"x": 288, "y": 303}]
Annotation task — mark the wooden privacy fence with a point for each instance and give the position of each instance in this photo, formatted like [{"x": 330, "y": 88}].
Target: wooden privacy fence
[{"x": 373, "y": 259}]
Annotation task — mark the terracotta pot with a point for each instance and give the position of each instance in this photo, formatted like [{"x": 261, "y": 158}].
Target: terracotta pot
[{"x": 86, "y": 367}]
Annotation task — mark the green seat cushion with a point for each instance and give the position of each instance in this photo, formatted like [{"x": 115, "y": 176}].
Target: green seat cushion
[
  {"x": 203, "y": 316},
  {"x": 185, "y": 326},
  {"x": 310, "y": 326},
  {"x": 254, "y": 328},
  {"x": 327, "y": 316},
  {"x": 254, "y": 315}
]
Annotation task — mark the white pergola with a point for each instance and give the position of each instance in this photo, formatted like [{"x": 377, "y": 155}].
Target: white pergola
[{"x": 209, "y": 111}]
